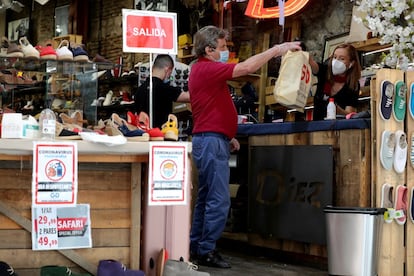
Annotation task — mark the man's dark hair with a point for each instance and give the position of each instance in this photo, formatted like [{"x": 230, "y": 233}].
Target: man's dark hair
[{"x": 163, "y": 60}]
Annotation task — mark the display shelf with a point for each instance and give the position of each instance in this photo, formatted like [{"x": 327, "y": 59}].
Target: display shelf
[{"x": 64, "y": 86}]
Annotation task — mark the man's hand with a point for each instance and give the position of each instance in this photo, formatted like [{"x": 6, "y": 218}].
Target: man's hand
[{"x": 234, "y": 145}]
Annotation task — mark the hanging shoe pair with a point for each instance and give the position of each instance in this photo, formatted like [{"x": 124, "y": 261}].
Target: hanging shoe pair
[
  {"x": 393, "y": 151},
  {"x": 396, "y": 208}
]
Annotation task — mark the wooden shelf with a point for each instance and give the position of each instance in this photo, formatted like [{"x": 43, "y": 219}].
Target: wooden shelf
[{"x": 368, "y": 45}]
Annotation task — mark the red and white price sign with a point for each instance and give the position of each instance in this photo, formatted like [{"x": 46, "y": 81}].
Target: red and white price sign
[
  {"x": 149, "y": 32},
  {"x": 45, "y": 228},
  {"x": 55, "y": 227}
]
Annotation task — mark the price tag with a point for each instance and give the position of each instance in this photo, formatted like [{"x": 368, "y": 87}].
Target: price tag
[
  {"x": 61, "y": 227},
  {"x": 45, "y": 228}
]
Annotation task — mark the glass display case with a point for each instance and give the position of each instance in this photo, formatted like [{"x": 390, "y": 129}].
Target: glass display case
[{"x": 29, "y": 86}]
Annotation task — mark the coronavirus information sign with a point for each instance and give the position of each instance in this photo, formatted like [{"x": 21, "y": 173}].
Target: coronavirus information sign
[{"x": 149, "y": 32}]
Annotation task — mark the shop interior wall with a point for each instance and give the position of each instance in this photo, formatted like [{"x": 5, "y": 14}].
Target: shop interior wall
[{"x": 102, "y": 29}]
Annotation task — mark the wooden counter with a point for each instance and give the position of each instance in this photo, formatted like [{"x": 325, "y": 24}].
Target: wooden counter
[
  {"x": 351, "y": 146},
  {"x": 109, "y": 179}
]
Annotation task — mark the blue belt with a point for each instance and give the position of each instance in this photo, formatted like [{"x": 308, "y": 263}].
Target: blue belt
[{"x": 212, "y": 134}]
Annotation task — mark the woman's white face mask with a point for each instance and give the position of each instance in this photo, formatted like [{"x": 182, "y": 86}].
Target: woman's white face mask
[{"x": 338, "y": 67}]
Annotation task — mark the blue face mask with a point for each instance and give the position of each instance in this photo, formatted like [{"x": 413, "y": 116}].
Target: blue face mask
[
  {"x": 224, "y": 56},
  {"x": 166, "y": 81}
]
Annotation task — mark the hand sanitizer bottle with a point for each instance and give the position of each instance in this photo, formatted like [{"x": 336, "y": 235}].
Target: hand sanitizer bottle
[
  {"x": 47, "y": 124},
  {"x": 331, "y": 110}
]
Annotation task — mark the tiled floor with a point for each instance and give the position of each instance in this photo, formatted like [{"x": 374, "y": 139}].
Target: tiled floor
[{"x": 247, "y": 260}]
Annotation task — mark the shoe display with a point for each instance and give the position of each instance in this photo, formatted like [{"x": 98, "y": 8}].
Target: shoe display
[
  {"x": 400, "y": 152},
  {"x": 401, "y": 204},
  {"x": 63, "y": 53},
  {"x": 387, "y": 95},
  {"x": 170, "y": 128},
  {"x": 400, "y": 101},
  {"x": 387, "y": 149},
  {"x": 29, "y": 51},
  {"x": 213, "y": 259}
]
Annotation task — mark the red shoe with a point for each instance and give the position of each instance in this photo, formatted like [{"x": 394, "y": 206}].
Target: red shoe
[
  {"x": 132, "y": 118},
  {"x": 47, "y": 52},
  {"x": 143, "y": 123}
]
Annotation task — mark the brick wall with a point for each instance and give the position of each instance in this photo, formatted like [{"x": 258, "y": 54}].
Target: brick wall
[{"x": 319, "y": 19}]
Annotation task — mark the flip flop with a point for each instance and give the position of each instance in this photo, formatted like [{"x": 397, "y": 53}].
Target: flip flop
[
  {"x": 400, "y": 101},
  {"x": 387, "y": 94}
]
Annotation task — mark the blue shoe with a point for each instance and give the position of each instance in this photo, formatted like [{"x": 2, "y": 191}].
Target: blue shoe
[
  {"x": 79, "y": 54},
  {"x": 387, "y": 95},
  {"x": 411, "y": 101}
]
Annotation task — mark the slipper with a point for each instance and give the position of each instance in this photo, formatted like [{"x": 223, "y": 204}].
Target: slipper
[
  {"x": 387, "y": 149},
  {"x": 387, "y": 94},
  {"x": 401, "y": 205},
  {"x": 400, "y": 152},
  {"x": 411, "y": 101},
  {"x": 387, "y": 201},
  {"x": 400, "y": 101}
]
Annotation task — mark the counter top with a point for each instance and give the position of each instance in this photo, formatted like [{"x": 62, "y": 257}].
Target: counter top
[
  {"x": 25, "y": 147},
  {"x": 305, "y": 126}
]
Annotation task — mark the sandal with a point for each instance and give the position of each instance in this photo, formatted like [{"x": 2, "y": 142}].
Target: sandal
[
  {"x": 116, "y": 126},
  {"x": 170, "y": 128},
  {"x": 143, "y": 123}
]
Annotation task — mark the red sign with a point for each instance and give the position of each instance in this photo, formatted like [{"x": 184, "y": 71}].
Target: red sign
[{"x": 149, "y": 32}]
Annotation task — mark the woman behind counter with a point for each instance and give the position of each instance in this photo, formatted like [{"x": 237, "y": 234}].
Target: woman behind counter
[{"x": 338, "y": 77}]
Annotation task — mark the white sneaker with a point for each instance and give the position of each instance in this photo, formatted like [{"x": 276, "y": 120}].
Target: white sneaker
[
  {"x": 108, "y": 98},
  {"x": 400, "y": 153},
  {"x": 63, "y": 52},
  {"x": 28, "y": 50},
  {"x": 387, "y": 149}
]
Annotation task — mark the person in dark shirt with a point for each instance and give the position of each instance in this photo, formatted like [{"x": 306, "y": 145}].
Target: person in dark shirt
[
  {"x": 163, "y": 94},
  {"x": 338, "y": 78}
]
